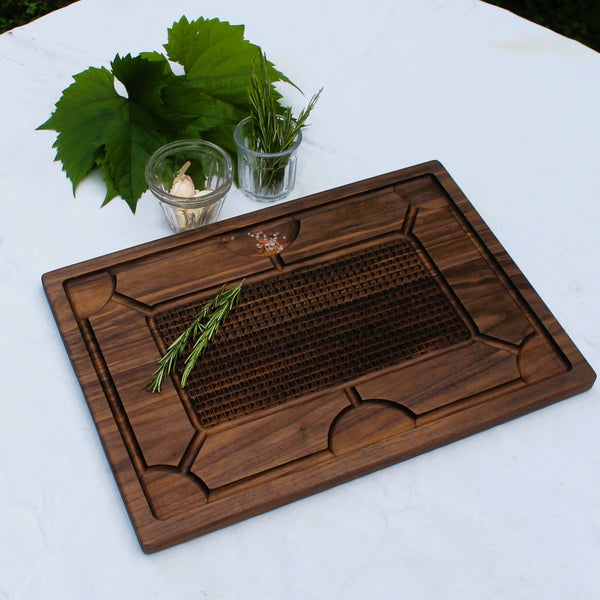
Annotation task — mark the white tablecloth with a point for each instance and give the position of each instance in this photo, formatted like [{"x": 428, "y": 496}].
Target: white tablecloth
[{"x": 511, "y": 110}]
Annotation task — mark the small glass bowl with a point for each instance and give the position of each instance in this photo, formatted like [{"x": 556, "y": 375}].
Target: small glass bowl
[
  {"x": 210, "y": 168},
  {"x": 262, "y": 176}
]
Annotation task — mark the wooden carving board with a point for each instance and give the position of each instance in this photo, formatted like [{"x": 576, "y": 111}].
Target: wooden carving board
[{"x": 377, "y": 321}]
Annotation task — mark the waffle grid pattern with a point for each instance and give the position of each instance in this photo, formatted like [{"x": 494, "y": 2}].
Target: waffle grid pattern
[{"x": 315, "y": 327}]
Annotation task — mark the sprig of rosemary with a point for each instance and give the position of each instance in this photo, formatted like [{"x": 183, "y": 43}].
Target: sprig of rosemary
[
  {"x": 202, "y": 330},
  {"x": 274, "y": 128}
]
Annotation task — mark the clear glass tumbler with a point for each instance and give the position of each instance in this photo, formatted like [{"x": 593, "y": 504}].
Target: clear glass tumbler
[
  {"x": 211, "y": 171},
  {"x": 262, "y": 176}
]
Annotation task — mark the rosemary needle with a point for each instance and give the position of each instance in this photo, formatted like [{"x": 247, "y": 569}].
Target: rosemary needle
[{"x": 202, "y": 330}]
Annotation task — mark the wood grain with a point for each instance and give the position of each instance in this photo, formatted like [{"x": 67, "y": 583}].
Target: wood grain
[{"x": 387, "y": 321}]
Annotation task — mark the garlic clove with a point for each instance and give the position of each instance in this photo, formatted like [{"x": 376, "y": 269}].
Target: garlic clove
[
  {"x": 184, "y": 188},
  {"x": 200, "y": 193}
]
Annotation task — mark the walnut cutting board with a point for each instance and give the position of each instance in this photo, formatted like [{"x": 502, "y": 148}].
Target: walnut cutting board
[{"x": 377, "y": 321}]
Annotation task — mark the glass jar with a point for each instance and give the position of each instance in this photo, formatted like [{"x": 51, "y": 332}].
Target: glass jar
[
  {"x": 265, "y": 177},
  {"x": 211, "y": 171}
]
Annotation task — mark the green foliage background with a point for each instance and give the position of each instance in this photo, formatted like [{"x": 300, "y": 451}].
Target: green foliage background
[
  {"x": 577, "y": 19},
  {"x": 14, "y": 13}
]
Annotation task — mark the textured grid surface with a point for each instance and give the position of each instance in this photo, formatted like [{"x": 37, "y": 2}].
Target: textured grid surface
[{"x": 316, "y": 327}]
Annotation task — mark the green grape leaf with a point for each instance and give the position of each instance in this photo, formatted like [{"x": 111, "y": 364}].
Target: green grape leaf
[
  {"x": 82, "y": 114},
  {"x": 138, "y": 128},
  {"x": 99, "y": 127},
  {"x": 217, "y": 61}
]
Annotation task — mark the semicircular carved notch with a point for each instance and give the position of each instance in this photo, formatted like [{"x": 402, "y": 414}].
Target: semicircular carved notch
[
  {"x": 368, "y": 422},
  {"x": 90, "y": 294},
  {"x": 539, "y": 360},
  {"x": 170, "y": 492},
  {"x": 267, "y": 239}
]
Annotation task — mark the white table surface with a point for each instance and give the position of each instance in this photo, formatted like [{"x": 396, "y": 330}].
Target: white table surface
[{"x": 511, "y": 110}]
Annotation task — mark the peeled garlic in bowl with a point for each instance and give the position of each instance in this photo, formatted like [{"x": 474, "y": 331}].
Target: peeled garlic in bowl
[{"x": 183, "y": 185}]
